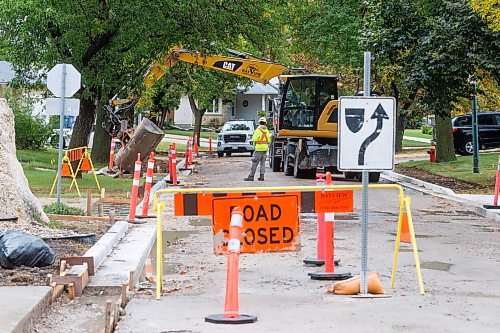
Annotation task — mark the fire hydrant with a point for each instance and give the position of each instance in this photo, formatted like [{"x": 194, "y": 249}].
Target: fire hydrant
[{"x": 432, "y": 154}]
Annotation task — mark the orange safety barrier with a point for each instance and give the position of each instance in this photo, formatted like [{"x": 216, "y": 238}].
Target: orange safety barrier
[
  {"x": 147, "y": 186},
  {"x": 112, "y": 152},
  {"x": 149, "y": 270},
  {"x": 82, "y": 155},
  {"x": 200, "y": 204},
  {"x": 329, "y": 271},
  {"x": 190, "y": 144},
  {"x": 196, "y": 146},
  {"x": 231, "y": 306},
  {"x": 320, "y": 233},
  {"x": 210, "y": 145},
  {"x": 405, "y": 230},
  {"x": 135, "y": 189},
  {"x": 186, "y": 162},
  {"x": 65, "y": 170},
  {"x": 173, "y": 175}
]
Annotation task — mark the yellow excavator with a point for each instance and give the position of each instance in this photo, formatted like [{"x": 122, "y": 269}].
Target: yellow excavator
[{"x": 305, "y": 114}]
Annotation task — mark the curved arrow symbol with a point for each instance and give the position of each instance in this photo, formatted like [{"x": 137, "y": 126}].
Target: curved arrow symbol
[{"x": 379, "y": 114}]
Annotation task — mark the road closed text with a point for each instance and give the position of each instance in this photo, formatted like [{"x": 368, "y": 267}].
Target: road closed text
[{"x": 269, "y": 223}]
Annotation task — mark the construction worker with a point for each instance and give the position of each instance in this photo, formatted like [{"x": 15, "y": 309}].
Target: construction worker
[{"x": 261, "y": 139}]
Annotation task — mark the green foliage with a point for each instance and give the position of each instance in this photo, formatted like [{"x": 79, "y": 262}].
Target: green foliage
[
  {"x": 31, "y": 130},
  {"x": 426, "y": 129},
  {"x": 54, "y": 224},
  {"x": 62, "y": 209}
]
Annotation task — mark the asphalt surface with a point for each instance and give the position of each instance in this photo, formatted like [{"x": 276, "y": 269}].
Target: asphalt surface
[{"x": 459, "y": 254}]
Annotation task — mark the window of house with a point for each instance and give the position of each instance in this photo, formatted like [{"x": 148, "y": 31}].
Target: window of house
[{"x": 216, "y": 107}]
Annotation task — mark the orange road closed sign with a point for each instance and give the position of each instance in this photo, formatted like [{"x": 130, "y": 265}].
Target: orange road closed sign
[
  {"x": 334, "y": 201},
  {"x": 270, "y": 223}
]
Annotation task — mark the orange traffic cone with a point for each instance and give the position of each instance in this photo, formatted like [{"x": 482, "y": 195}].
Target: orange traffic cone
[
  {"x": 65, "y": 171},
  {"x": 149, "y": 270},
  {"x": 85, "y": 164},
  {"x": 231, "y": 314},
  {"x": 405, "y": 230}
]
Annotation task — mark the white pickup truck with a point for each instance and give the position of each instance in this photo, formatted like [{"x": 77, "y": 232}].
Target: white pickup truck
[{"x": 236, "y": 137}]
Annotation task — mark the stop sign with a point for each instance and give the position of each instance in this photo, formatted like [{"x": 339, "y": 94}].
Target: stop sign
[{"x": 72, "y": 80}]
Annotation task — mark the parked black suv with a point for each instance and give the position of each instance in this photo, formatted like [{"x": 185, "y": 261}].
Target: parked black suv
[{"x": 488, "y": 129}]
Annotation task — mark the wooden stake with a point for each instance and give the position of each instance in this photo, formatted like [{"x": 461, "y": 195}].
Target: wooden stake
[
  {"x": 62, "y": 267},
  {"x": 131, "y": 281},
  {"x": 89, "y": 202},
  {"x": 103, "y": 192},
  {"x": 107, "y": 317},
  {"x": 71, "y": 291},
  {"x": 123, "y": 300}
]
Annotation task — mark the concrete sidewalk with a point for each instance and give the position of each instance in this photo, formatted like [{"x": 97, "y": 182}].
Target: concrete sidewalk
[
  {"x": 181, "y": 139},
  {"x": 21, "y": 306},
  {"x": 412, "y": 138}
]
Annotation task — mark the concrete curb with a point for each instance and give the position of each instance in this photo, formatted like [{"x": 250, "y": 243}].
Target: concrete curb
[
  {"x": 129, "y": 255},
  {"x": 106, "y": 243},
  {"x": 433, "y": 187},
  {"x": 440, "y": 192}
]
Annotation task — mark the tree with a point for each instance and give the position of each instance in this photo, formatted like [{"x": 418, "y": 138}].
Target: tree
[
  {"x": 108, "y": 41},
  {"x": 489, "y": 10},
  {"x": 392, "y": 32},
  {"x": 457, "y": 46},
  {"x": 430, "y": 49}
]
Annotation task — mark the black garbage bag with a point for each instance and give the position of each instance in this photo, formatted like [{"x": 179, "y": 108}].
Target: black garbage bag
[{"x": 20, "y": 249}]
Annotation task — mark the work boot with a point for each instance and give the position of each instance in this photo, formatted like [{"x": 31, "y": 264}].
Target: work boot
[
  {"x": 248, "y": 179},
  {"x": 261, "y": 178}
]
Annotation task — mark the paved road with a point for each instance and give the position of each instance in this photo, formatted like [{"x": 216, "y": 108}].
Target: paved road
[{"x": 459, "y": 253}]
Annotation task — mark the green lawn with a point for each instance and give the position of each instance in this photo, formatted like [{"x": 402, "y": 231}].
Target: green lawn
[
  {"x": 417, "y": 133},
  {"x": 40, "y": 170},
  {"x": 190, "y": 133},
  {"x": 163, "y": 147},
  {"x": 411, "y": 143},
  {"x": 462, "y": 168}
]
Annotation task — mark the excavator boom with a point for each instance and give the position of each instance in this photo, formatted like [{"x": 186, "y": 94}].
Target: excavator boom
[{"x": 259, "y": 70}]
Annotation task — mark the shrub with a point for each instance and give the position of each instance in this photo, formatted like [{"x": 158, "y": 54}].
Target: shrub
[
  {"x": 31, "y": 130},
  {"x": 426, "y": 129},
  {"x": 62, "y": 209}
]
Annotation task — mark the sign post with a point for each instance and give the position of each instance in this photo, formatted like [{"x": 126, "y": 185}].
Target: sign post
[
  {"x": 63, "y": 80},
  {"x": 366, "y": 127}
]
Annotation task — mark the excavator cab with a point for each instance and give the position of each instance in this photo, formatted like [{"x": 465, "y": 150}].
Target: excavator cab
[{"x": 308, "y": 106}]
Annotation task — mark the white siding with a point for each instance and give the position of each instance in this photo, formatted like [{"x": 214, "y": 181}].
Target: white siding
[{"x": 183, "y": 114}]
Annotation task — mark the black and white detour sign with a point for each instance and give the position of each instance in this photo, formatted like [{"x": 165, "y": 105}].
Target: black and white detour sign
[{"x": 366, "y": 133}]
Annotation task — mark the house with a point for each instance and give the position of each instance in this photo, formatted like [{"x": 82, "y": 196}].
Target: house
[{"x": 244, "y": 105}]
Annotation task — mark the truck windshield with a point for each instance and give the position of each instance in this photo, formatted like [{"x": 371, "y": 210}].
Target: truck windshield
[{"x": 228, "y": 127}]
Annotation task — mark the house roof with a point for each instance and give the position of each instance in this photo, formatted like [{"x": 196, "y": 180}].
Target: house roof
[{"x": 258, "y": 88}]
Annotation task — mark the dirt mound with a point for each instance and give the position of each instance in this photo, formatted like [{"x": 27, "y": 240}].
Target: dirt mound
[{"x": 458, "y": 186}]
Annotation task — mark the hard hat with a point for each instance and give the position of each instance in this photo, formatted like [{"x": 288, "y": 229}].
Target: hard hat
[{"x": 263, "y": 120}]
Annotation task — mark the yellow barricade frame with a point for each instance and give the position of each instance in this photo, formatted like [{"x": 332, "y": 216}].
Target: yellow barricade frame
[
  {"x": 66, "y": 159},
  {"x": 86, "y": 154},
  {"x": 404, "y": 205}
]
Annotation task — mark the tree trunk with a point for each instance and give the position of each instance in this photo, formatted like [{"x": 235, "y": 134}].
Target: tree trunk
[
  {"x": 102, "y": 140},
  {"x": 83, "y": 124},
  {"x": 401, "y": 122},
  {"x": 198, "y": 117},
  {"x": 445, "y": 151}
]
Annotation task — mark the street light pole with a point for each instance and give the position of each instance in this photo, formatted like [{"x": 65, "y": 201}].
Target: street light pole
[{"x": 475, "y": 144}]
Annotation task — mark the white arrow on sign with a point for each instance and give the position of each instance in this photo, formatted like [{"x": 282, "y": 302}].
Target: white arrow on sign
[
  {"x": 72, "y": 80},
  {"x": 53, "y": 106},
  {"x": 366, "y": 133}
]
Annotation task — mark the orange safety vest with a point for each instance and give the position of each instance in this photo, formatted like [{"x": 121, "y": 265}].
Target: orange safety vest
[{"x": 262, "y": 140}]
